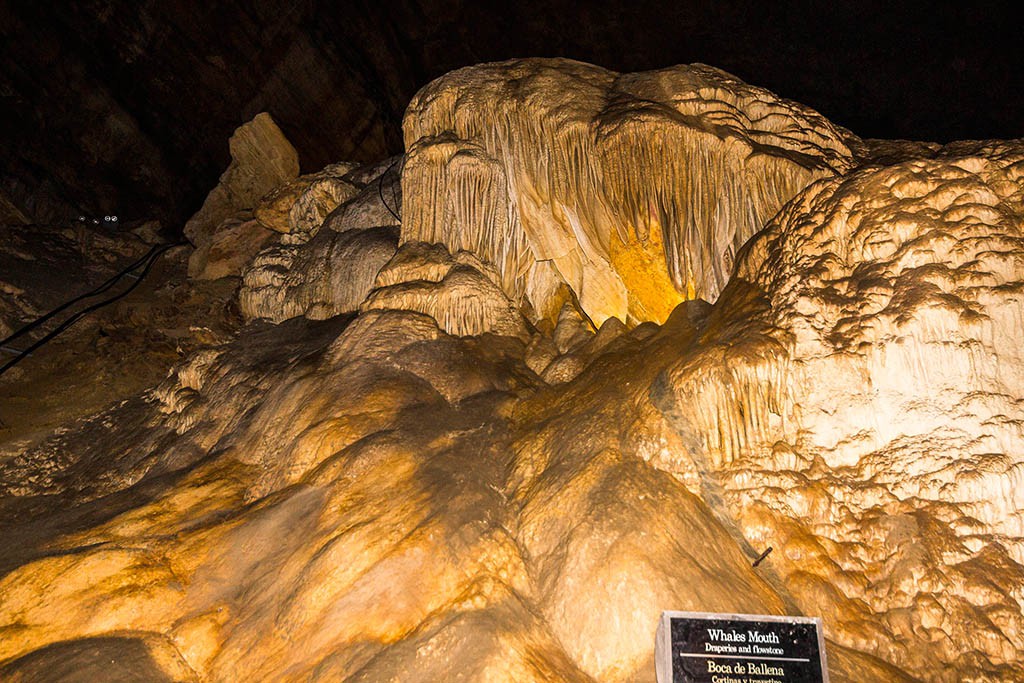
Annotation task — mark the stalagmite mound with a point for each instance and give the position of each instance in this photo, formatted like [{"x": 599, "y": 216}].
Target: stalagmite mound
[
  {"x": 459, "y": 292},
  {"x": 336, "y": 240},
  {"x": 330, "y": 274},
  {"x": 636, "y": 190},
  {"x": 493, "y": 439},
  {"x": 859, "y": 401},
  {"x": 299, "y": 207}
]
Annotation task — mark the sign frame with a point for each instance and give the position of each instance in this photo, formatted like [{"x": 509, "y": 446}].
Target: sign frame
[{"x": 663, "y": 655}]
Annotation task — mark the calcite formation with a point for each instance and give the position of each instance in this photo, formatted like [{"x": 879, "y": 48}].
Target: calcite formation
[
  {"x": 460, "y": 293},
  {"x": 866, "y": 413},
  {"x": 494, "y": 442},
  {"x": 329, "y": 275},
  {"x": 328, "y": 260},
  {"x": 229, "y": 248},
  {"x": 261, "y": 159},
  {"x": 379, "y": 202},
  {"x": 299, "y": 207},
  {"x": 634, "y": 189}
]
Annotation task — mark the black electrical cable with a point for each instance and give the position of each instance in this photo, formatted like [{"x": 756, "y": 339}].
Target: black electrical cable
[
  {"x": 98, "y": 290},
  {"x": 380, "y": 188},
  {"x": 155, "y": 254}
]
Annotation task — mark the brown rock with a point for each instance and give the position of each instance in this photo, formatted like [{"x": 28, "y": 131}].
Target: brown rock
[
  {"x": 301, "y": 205},
  {"x": 261, "y": 160},
  {"x": 228, "y": 249}
]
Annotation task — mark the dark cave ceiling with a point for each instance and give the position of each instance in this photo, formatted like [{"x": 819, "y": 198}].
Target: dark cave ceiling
[{"x": 125, "y": 106}]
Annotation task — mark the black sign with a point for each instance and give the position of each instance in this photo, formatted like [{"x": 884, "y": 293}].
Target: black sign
[{"x": 696, "y": 647}]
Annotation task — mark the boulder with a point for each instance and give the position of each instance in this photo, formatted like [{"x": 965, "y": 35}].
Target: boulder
[
  {"x": 379, "y": 203},
  {"x": 261, "y": 160}
]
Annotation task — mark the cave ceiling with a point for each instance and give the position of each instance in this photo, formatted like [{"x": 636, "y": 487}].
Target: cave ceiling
[{"x": 118, "y": 107}]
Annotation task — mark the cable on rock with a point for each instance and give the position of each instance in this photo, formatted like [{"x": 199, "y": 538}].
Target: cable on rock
[
  {"x": 149, "y": 259},
  {"x": 380, "y": 188}
]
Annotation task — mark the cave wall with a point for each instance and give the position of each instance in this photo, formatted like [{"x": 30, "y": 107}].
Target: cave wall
[{"x": 111, "y": 106}]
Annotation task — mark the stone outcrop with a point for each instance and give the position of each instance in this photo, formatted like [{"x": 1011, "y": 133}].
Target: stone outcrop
[
  {"x": 334, "y": 243},
  {"x": 379, "y": 202},
  {"x": 226, "y": 251},
  {"x": 261, "y": 160}
]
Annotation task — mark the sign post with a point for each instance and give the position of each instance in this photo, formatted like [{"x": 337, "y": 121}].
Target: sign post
[{"x": 700, "y": 647}]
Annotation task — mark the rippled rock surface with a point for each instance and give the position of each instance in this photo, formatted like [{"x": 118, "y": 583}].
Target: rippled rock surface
[{"x": 436, "y": 450}]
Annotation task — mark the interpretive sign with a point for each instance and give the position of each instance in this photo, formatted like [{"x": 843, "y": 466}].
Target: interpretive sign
[{"x": 699, "y": 647}]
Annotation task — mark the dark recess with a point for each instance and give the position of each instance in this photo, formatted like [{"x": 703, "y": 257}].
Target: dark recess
[{"x": 125, "y": 106}]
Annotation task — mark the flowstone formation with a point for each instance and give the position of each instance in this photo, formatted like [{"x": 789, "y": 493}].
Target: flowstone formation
[
  {"x": 478, "y": 426},
  {"x": 859, "y": 403},
  {"x": 636, "y": 190}
]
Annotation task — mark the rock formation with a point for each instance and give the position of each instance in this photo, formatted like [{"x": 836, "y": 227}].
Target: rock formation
[
  {"x": 867, "y": 410},
  {"x": 333, "y": 272},
  {"x": 329, "y": 275},
  {"x": 496, "y": 441},
  {"x": 636, "y": 190},
  {"x": 222, "y": 231},
  {"x": 261, "y": 159},
  {"x": 460, "y": 293},
  {"x": 300, "y": 207}
]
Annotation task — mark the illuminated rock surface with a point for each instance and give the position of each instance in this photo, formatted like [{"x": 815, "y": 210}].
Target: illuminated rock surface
[
  {"x": 634, "y": 189},
  {"x": 299, "y": 207},
  {"x": 330, "y": 274},
  {"x": 460, "y": 293},
  {"x": 261, "y": 159},
  {"x": 865, "y": 414},
  {"x": 476, "y": 471}
]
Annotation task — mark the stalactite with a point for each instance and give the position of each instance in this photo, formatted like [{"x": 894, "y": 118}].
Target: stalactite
[{"x": 588, "y": 160}]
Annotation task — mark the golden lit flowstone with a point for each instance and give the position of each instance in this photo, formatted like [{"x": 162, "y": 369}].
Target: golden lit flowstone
[
  {"x": 398, "y": 501},
  {"x": 857, "y": 403},
  {"x": 349, "y": 500},
  {"x": 427, "y": 486},
  {"x": 634, "y": 189},
  {"x": 375, "y": 500}
]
